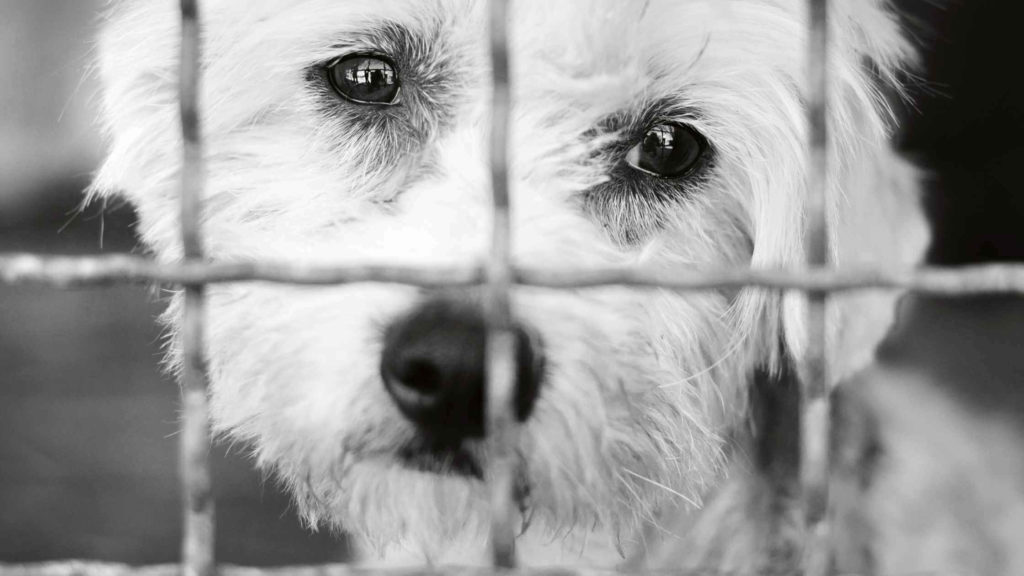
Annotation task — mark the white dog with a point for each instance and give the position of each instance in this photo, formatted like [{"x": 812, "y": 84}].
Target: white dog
[{"x": 667, "y": 133}]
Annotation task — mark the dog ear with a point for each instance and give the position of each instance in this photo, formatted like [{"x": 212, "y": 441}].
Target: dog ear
[
  {"x": 882, "y": 225},
  {"x": 875, "y": 214},
  {"x": 877, "y": 223}
]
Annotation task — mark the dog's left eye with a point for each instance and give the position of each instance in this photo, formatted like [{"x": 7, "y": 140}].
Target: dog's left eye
[
  {"x": 365, "y": 79},
  {"x": 667, "y": 151}
]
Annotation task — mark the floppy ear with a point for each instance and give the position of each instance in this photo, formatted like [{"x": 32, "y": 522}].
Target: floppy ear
[
  {"x": 881, "y": 225},
  {"x": 877, "y": 222},
  {"x": 875, "y": 213}
]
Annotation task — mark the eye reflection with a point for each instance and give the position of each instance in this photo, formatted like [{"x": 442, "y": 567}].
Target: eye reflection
[
  {"x": 372, "y": 73},
  {"x": 365, "y": 79},
  {"x": 667, "y": 151}
]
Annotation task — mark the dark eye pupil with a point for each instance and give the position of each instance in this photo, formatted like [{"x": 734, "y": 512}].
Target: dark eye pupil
[
  {"x": 668, "y": 150},
  {"x": 365, "y": 79}
]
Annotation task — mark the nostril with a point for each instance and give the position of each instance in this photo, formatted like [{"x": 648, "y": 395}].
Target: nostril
[
  {"x": 421, "y": 375},
  {"x": 416, "y": 384},
  {"x": 530, "y": 368}
]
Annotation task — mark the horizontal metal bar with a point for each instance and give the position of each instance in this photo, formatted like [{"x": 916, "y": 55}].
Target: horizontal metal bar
[
  {"x": 73, "y": 271},
  {"x": 64, "y": 271},
  {"x": 76, "y": 568}
]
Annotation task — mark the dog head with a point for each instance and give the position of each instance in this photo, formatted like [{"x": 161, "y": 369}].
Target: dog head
[{"x": 663, "y": 133}]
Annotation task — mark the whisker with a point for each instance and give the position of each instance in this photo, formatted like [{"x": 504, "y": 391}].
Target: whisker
[{"x": 685, "y": 498}]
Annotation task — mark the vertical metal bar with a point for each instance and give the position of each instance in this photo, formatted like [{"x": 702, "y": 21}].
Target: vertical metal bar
[
  {"x": 501, "y": 424},
  {"x": 815, "y": 410},
  {"x": 198, "y": 536}
]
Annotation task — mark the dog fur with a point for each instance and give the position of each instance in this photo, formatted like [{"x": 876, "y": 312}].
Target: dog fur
[{"x": 642, "y": 444}]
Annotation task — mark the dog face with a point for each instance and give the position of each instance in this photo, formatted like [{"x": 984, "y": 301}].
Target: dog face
[{"x": 662, "y": 133}]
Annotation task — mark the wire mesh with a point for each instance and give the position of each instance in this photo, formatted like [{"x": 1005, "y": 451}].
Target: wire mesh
[{"x": 497, "y": 276}]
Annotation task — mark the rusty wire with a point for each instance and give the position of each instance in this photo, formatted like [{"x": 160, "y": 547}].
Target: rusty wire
[
  {"x": 497, "y": 277},
  {"x": 197, "y": 544},
  {"x": 815, "y": 412},
  {"x": 78, "y": 272},
  {"x": 76, "y": 568},
  {"x": 501, "y": 342}
]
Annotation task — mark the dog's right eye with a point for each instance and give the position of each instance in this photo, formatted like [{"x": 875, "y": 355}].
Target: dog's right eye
[
  {"x": 668, "y": 151},
  {"x": 365, "y": 79}
]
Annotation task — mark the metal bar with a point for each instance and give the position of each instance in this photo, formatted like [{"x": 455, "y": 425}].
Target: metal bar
[
  {"x": 76, "y": 272},
  {"x": 501, "y": 343},
  {"x": 815, "y": 410},
  {"x": 77, "y": 568},
  {"x": 198, "y": 537}
]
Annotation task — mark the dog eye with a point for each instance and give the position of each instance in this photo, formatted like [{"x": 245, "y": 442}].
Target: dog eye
[
  {"x": 667, "y": 151},
  {"x": 365, "y": 79}
]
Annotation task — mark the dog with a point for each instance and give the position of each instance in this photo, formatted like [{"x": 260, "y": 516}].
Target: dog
[{"x": 669, "y": 134}]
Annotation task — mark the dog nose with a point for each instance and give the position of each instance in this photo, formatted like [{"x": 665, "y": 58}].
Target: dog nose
[{"x": 433, "y": 366}]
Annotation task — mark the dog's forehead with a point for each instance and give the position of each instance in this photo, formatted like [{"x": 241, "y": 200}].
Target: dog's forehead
[
  {"x": 580, "y": 37},
  {"x": 664, "y": 45},
  {"x": 604, "y": 30},
  {"x": 667, "y": 44}
]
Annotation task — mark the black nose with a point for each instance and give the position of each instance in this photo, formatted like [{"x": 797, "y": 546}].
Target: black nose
[{"x": 433, "y": 366}]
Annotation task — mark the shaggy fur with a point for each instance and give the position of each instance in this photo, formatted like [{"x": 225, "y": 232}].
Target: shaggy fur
[{"x": 640, "y": 443}]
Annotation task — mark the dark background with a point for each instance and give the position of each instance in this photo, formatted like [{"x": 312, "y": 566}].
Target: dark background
[
  {"x": 87, "y": 422},
  {"x": 966, "y": 132}
]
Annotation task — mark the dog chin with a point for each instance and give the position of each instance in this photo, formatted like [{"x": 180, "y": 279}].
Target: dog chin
[
  {"x": 424, "y": 500},
  {"x": 413, "y": 502}
]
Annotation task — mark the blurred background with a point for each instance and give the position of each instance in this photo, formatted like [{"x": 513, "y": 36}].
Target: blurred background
[
  {"x": 87, "y": 421},
  {"x": 88, "y": 454}
]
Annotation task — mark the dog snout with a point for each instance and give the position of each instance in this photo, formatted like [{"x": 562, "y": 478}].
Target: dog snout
[{"x": 434, "y": 365}]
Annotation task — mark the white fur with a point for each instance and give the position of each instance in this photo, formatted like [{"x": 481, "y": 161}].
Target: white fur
[{"x": 646, "y": 389}]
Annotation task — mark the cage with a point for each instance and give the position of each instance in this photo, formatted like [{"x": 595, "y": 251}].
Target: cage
[{"x": 497, "y": 275}]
